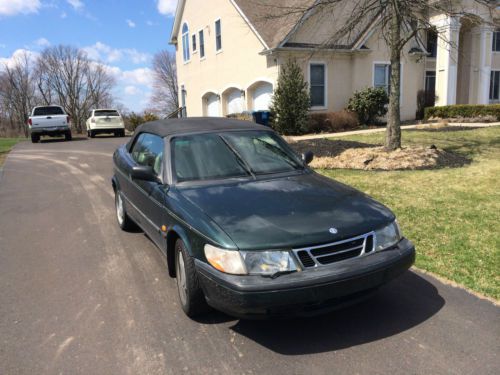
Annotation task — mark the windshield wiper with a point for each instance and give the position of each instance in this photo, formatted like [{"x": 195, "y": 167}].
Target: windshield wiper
[{"x": 240, "y": 160}]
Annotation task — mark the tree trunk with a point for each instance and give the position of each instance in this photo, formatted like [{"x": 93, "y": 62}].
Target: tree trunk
[{"x": 393, "y": 134}]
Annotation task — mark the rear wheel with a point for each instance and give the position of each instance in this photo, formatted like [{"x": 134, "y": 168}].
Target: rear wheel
[
  {"x": 122, "y": 133},
  {"x": 92, "y": 134},
  {"x": 124, "y": 221},
  {"x": 191, "y": 296},
  {"x": 35, "y": 138},
  {"x": 68, "y": 136}
]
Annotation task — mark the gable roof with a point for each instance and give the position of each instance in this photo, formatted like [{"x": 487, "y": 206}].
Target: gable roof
[{"x": 275, "y": 21}]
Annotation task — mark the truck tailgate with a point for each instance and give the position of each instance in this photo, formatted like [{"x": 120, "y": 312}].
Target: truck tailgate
[{"x": 48, "y": 121}]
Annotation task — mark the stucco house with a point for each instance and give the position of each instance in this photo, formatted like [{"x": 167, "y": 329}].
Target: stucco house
[{"x": 229, "y": 54}]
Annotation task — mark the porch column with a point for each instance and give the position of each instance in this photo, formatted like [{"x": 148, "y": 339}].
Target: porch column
[
  {"x": 479, "y": 91},
  {"x": 448, "y": 29}
]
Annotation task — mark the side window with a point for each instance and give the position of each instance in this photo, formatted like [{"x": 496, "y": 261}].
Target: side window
[
  {"x": 148, "y": 151},
  {"x": 218, "y": 36}
]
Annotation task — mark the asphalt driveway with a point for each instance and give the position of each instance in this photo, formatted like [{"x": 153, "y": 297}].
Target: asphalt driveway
[{"x": 79, "y": 296}]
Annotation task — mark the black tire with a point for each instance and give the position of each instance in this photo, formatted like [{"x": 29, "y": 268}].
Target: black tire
[
  {"x": 124, "y": 221},
  {"x": 191, "y": 297},
  {"x": 122, "y": 133},
  {"x": 116, "y": 133},
  {"x": 88, "y": 133},
  {"x": 68, "y": 136},
  {"x": 35, "y": 138},
  {"x": 92, "y": 134}
]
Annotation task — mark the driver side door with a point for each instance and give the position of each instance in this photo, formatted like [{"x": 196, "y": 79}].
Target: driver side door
[{"x": 149, "y": 196}]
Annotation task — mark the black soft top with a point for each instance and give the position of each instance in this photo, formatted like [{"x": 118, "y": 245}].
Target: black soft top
[{"x": 174, "y": 126}]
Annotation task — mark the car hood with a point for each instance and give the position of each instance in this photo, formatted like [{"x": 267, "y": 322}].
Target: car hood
[{"x": 288, "y": 212}]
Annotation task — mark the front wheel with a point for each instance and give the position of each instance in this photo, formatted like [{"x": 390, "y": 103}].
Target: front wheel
[
  {"x": 191, "y": 296},
  {"x": 68, "y": 136},
  {"x": 35, "y": 138}
]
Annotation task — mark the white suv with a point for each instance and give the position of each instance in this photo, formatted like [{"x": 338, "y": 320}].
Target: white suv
[{"x": 105, "y": 121}]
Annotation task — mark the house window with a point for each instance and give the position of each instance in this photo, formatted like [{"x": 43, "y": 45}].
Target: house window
[
  {"x": 382, "y": 75},
  {"x": 494, "y": 86},
  {"x": 430, "y": 81},
  {"x": 218, "y": 36},
  {"x": 432, "y": 39},
  {"x": 496, "y": 41},
  {"x": 201, "y": 38},
  {"x": 185, "y": 43},
  {"x": 193, "y": 41},
  {"x": 318, "y": 85}
]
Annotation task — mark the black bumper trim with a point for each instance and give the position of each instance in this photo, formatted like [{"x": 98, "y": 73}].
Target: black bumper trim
[
  {"x": 304, "y": 293},
  {"x": 60, "y": 130}
]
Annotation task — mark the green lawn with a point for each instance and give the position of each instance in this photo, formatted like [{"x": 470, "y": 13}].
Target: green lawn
[
  {"x": 5, "y": 145},
  {"x": 452, "y": 215}
]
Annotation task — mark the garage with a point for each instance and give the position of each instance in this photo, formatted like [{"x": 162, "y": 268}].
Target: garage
[
  {"x": 262, "y": 96},
  {"x": 212, "y": 105},
  {"x": 234, "y": 102}
]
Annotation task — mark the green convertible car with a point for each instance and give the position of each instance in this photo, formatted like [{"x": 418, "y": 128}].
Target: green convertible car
[{"x": 246, "y": 226}]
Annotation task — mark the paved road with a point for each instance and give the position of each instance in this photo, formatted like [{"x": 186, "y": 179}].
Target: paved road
[{"x": 79, "y": 296}]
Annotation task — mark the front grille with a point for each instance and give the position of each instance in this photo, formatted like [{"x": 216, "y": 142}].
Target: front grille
[{"x": 323, "y": 255}]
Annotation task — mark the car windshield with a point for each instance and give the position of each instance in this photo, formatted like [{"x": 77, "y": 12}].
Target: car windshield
[
  {"x": 104, "y": 113},
  {"x": 231, "y": 155},
  {"x": 48, "y": 111}
]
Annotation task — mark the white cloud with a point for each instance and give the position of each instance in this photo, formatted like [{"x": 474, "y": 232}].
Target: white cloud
[
  {"x": 103, "y": 52},
  {"x": 140, "y": 76},
  {"x": 167, "y": 7},
  {"x": 63, "y": 15},
  {"x": 130, "y": 23},
  {"x": 12, "y": 7},
  {"x": 18, "y": 55},
  {"x": 149, "y": 23},
  {"x": 76, "y": 4},
  {"x": 42, "y": 42},
  {"x": 131, "y": 90}
]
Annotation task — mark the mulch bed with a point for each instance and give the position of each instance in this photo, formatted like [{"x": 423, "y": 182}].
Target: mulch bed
[{"x": 333, "y": 154}]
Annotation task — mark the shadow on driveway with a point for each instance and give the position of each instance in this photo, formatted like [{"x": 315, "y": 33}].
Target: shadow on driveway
[{"x": 397, "y": 307}]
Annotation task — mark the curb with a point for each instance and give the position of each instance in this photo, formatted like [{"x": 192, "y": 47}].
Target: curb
[{"x": 454, "y": 284}]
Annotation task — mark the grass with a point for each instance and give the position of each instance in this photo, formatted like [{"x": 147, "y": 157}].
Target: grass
[
  {"x": 453, "y": 214},
  {"x": 5, "y": 146}
]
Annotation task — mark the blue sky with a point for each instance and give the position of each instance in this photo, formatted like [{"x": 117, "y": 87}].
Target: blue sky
[{"x": 123, "y": 34}]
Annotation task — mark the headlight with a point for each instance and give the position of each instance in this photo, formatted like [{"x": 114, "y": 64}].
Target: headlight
[
  {"x": 268, "y": 262},
  {"x": 250, "y": 262},
  {"x": 228, "y": 261},
  {"x": 387, "y": 236}
]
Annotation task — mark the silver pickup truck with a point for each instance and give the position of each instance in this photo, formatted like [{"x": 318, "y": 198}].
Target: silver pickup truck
[{"x": 49, "y": 120}]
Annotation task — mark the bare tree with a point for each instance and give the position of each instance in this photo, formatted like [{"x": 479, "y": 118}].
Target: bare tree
[
  {"x": 17, "y": 91},
  {"x": 164, "y": 99},
  {"x": 65, "y": 75},
  {"x": 399, "y": 22}
]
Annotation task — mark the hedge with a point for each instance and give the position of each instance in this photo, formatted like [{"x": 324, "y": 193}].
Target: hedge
[
  {"x": 463, "y": 110},
  {"x": 326, "y": 122}
]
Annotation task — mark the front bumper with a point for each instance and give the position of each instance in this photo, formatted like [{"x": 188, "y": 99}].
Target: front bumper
[
  {"x": 51, "y": 131},
  {"x": 304, "y": 293}
]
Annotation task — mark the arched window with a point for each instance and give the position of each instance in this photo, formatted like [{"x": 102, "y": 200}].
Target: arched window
[{"x": 185, "y": 42}]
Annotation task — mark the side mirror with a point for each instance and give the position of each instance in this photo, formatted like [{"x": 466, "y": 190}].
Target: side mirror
[
  {"x": 307, "y": 157},
  {"x": 143, "y": 172}
]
